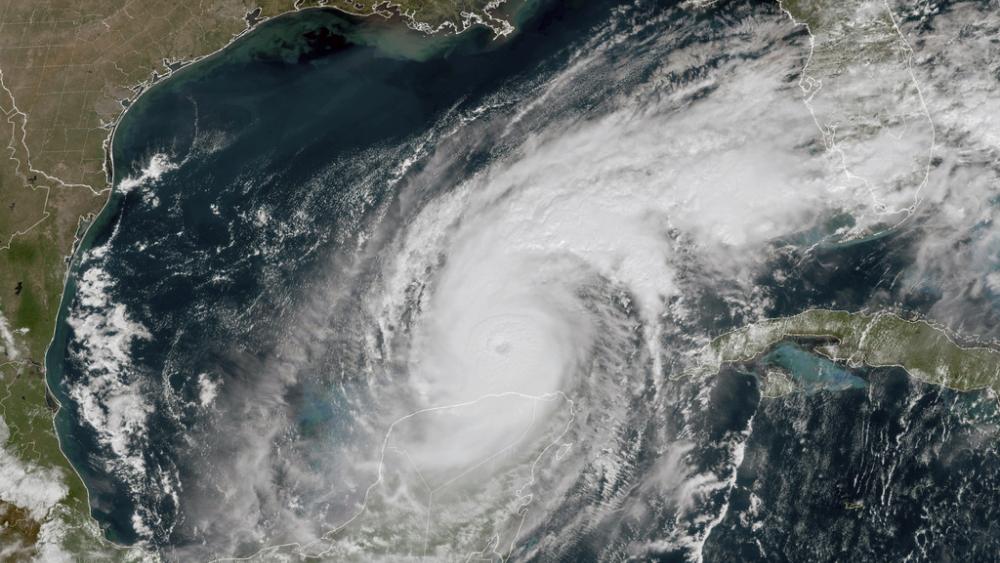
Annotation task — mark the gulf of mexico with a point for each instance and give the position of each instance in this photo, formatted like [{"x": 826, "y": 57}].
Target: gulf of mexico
[{"x": 248, "y": 169}]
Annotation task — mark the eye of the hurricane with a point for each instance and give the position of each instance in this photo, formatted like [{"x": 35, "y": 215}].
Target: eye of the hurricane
[
  {"x": 511, "y": 304},
  {"x": 492, "y": 354},
  {"x": 509, "y": 353}
]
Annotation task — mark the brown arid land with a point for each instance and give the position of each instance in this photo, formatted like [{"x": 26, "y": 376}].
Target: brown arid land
[{"x": 68, "y": 70}]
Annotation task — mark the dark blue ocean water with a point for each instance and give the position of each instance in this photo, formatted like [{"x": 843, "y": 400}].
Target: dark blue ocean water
[
  {"x": 283, "y": 144},
  {"x": 283, "y": 150}
]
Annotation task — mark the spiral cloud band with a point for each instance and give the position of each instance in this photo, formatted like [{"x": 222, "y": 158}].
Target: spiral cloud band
[{"x": 485, "y": 356}]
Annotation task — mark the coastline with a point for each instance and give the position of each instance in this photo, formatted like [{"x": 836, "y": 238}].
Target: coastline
[{"x": 52, "y": 368}]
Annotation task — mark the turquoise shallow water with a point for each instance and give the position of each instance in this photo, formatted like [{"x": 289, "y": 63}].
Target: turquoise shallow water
[
  {"x": 276, "y": 151},
  {"x": 218, "y": 369},
  {"x": 810, "y": 371}
]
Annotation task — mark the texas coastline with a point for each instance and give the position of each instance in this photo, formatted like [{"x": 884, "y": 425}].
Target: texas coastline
[{"x": 414, "y": 44}]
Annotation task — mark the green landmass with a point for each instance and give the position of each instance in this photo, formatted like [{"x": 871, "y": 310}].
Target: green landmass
[
  {"x": 846, "y": 33},
  {"x": 66, "y": 67},
  {"x": 926, "y": 352}
]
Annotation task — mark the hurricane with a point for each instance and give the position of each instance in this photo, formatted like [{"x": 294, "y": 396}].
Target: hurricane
[{"x": 465, "y": 324}]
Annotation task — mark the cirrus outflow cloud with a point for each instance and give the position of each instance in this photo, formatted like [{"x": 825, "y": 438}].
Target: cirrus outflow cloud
[{"x": 504, "y": 341}]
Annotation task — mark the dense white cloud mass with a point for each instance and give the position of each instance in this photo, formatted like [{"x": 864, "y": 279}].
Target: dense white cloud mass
[
  {"x": 956, "y": 60},
  {"x": 503, "y": 344},
  {"x": 519, "y": 316},
  {"x": 35, "y": 489}
]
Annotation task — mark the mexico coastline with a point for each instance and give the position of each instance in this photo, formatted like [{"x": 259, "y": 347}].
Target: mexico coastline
[
  {"x": 288, "y": 44},
  {"x": 600, "y": 290}
]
